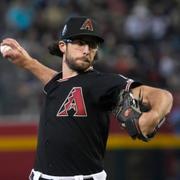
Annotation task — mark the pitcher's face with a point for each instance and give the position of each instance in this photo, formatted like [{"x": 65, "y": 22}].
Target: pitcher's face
[{"x": 80, "y": 53}]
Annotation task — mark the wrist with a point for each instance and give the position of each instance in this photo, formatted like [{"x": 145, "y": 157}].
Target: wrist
[
  {"x": 148, "y": 122},
  {"x": 29, "y": 63}
]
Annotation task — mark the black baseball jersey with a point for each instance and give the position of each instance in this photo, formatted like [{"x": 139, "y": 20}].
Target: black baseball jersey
[{"x": 74, "y": 123}]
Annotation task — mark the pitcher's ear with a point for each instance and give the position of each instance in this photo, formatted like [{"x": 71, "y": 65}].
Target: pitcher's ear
[{"x": 62, "y": 46}]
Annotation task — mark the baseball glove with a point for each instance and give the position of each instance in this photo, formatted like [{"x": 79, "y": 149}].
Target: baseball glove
[{"x": 128, "y": 111}]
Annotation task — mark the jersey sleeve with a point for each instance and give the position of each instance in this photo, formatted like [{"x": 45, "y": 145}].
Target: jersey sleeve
[
  {"x": 106, "y": 88},
  {"x": 52, "y": 83}
]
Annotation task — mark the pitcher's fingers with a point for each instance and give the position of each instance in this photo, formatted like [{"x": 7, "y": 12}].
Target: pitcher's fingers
[
  {"x": 9, "y": 54},
  {"x": 10, "y": 42}
]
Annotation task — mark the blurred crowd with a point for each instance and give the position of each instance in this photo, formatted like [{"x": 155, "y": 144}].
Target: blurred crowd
[{"x": 142, "y": 41}]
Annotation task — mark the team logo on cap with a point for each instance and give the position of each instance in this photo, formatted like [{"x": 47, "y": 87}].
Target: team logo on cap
[{"x": 87, "y": 25}]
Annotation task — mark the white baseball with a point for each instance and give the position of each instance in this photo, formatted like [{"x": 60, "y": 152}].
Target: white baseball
[{"x": 5, "y": 48}]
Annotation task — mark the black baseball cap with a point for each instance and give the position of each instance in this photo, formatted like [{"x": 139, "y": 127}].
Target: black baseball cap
[{"x": 76, "y": 27}]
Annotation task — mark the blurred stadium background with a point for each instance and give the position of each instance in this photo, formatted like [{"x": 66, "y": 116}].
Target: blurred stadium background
[{"x": 142, "y": 42}]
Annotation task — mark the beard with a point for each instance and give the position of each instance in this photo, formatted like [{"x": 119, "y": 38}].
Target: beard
[{"x": 78, "y": 64}]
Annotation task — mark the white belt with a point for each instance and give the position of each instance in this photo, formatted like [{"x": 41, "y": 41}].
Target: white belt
[{"x": 97, "y": 176}]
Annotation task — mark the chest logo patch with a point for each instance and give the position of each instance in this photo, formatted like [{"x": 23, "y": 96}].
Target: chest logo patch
[{"x": 73, "y": 105}]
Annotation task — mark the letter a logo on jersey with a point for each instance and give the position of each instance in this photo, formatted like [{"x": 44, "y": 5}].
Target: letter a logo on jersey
[
  {"x": 73, "y": 104},
  {"x": 87, "y": 25}
]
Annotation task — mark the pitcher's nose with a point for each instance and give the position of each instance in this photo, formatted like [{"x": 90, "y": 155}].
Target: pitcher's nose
[{"x": 86, "y": 49}]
